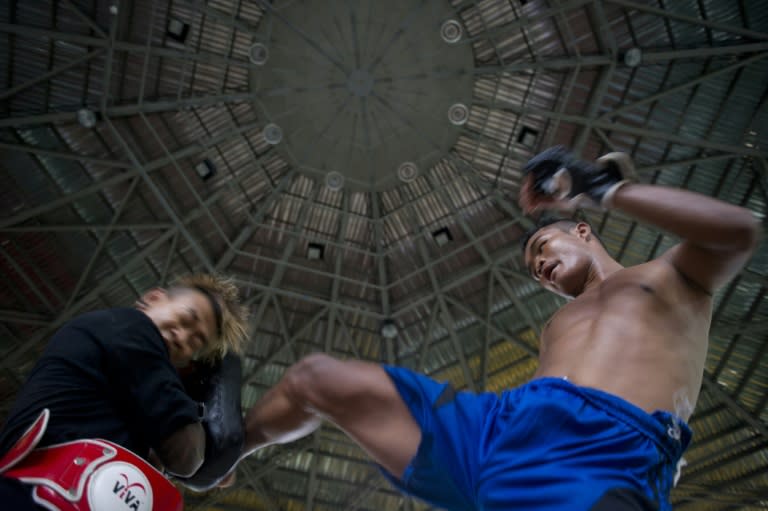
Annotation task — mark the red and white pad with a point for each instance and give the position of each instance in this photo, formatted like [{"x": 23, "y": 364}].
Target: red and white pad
[{"x": 87, "y": 475}]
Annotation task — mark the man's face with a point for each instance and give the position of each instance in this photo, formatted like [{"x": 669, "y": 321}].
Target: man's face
[
  {"x": 185, "y": 319},
  {"x": 559, "y": 260}
]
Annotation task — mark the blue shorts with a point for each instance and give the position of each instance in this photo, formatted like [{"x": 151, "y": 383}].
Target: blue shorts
[{"x": 546, "y": 445}]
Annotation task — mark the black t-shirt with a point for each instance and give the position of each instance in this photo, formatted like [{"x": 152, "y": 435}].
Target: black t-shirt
[{"x": 105, "y": 374}]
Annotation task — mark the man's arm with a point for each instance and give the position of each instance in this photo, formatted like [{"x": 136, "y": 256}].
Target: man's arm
[
  {"x": 139, "y": 368},
  {"x": 718, "y": 238},
  {"x": 183, "y": 452}
]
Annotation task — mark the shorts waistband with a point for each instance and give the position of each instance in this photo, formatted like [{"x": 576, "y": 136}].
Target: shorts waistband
[{"x": 666, "y": 429}]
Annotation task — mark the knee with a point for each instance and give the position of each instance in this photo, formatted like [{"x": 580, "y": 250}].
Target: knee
[{"x": 312, "y": 381}]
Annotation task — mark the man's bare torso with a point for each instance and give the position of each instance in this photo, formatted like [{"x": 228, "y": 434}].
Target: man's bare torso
[{"x": 641, "y": 334}]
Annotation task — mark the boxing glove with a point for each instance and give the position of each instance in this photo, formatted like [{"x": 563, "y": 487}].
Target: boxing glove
[{"x": 559, "y": 175}]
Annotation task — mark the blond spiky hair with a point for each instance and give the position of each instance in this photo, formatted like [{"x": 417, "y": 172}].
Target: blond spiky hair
[{"x": 234, "y": 315}]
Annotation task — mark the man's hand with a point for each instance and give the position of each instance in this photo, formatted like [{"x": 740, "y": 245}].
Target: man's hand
[
  {"x": 556, "y": 180},
  {"x": 532, "y": 203}
]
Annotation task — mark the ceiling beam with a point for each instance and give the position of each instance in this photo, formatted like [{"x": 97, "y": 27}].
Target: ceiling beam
[
  {"x": 130, "y": 109},
  {"x": 163, "y": 200},
  {"x": 192, "y": 150},
  {"x": 726, "y": 70},
  {"x": 4, "y": 95},
  {"x": 666, "y": 13},
  {"x": 338, "y": 260},
  {"x": 448, "y": 320},
  {"x": 27, "y": 31},
  {"x": 736, "y": 407},
  {"x": 269, "y": 359},
  {"x": 381, "y": 268},
  {"x": 103, "y": 237},
  {"x": 650, "y": 57},
  {"x": 626, "y": 129},
  {"x": 64, "y": 155}
]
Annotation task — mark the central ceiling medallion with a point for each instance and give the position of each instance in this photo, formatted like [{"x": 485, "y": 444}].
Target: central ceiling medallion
[
  {"x": 360, "y": 83},
  {"x": 359, "y": 88}
]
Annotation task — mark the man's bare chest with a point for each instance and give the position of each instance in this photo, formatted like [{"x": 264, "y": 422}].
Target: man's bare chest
[{"x": 628, "y": 303}]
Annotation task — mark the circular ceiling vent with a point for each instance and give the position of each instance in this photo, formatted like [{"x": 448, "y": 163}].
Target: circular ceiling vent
[
  {"x": 273, "y": 134},
  {"x": 334, "y": 181},
  {"x": 258, "y": 54},
  {"x": 86, "y": 117},
  {"x": 407, "y": 171},
  {"x": 458, "y": 114},
  {"x": 451, "y": 31},
  {"x": 389, "y": 329},
  {"x": 633, "y": 57}
]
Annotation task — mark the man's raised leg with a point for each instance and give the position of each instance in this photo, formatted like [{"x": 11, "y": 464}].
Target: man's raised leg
[{"x": 359, "y": 397}]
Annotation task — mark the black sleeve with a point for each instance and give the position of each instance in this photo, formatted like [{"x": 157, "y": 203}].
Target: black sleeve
[{"x": 148, "y": 383}]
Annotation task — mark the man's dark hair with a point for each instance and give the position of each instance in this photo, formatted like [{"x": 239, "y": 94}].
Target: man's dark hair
[{"x": 564, "y": 224}]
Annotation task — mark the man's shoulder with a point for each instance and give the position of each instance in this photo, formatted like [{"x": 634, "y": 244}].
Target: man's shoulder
[
  {"x": 117, "y": 325},
  {"x": 657, "y": 267},
  {"x": 115, "y": 317},
  {"x": 661, "y": 274}
]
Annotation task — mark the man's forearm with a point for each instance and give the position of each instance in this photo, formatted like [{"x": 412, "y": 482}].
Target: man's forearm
[
  {"x": 704, "y": 221},
  {"x": 184, "y": 451}
]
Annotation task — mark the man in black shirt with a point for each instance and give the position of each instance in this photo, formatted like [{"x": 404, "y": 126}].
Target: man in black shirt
[{"x": 112, "y": 375}]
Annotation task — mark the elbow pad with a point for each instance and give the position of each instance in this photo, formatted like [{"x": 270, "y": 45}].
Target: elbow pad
[{"x": 217, "y": 387}]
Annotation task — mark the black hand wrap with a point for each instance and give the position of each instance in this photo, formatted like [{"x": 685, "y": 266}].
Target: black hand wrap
[
  {"x": 217, "y": 386},
  {"x": 558, "y": 174}
]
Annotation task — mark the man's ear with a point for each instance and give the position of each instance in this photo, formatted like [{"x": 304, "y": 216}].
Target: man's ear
[
  {"x": 152, "y": 297},
  {"x": 583, "y": 231}
]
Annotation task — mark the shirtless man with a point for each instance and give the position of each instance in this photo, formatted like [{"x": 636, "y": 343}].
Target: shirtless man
[
  {"x": 647, "y": 320},
  {"x": 601, "y": 426}
]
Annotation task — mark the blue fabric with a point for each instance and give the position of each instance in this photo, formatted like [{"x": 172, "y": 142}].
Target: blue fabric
[{"x": 547, "y": 445}]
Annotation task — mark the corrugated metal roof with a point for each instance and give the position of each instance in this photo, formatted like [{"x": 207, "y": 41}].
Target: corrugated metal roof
[{"x": 92, "y": 217}]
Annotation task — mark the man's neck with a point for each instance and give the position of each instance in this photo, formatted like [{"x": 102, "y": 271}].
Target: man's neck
[{"x": 600, "y": 269}]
